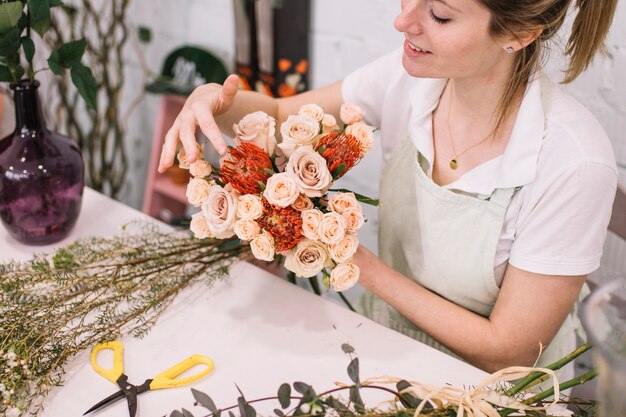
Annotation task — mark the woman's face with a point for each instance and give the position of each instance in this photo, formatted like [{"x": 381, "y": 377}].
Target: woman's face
[{"x": 449, "y": 39}]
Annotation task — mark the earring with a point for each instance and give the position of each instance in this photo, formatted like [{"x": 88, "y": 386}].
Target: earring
[{"x": 509, "y": 50}]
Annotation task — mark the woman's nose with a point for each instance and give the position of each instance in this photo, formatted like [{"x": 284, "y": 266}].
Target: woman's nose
[{"x": 409, "y": 19}]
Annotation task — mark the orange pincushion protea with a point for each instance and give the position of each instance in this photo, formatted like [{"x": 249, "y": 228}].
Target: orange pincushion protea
[
  {"x": 245, "y": 167},
  {"x": 283, "y": 223},
  {"x": 338, "y": 148}
]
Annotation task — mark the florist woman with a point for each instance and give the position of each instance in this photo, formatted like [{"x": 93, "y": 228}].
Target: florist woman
[{"x": 497, "y": 186}]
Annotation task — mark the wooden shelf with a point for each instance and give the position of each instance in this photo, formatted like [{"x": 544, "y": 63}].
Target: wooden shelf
[{"x": 163, "y": 184}]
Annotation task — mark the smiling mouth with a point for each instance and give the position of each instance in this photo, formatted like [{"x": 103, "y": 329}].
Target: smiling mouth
[{"x": 416, "y": 48}]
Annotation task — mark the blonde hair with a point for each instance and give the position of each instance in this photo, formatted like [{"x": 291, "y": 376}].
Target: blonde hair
[{"x": 518, "y": 18}]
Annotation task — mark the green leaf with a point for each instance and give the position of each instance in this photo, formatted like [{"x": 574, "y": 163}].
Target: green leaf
[
  {"x": 54, "y": 63},
  {"x": 10, "y": 14},
  {"x": 55, "y": 3},
  {"x": 29, "y": 48},
  {"x": 71, "y": 53},
  {"x": 145, "y": 34},
  {"x": 326, "y": 279},
  {"x": 39, "y": 15},
  {"x": 245, "y": 409},
  {"x": 407, "y": 400},
  {"x": 353, "y": 370},
  {"x": 231, "y": 414},
  {"x": 339, "y": 170},
  {"x": 284, "y": 395},
  {"x": 204, "y": 400},
  {"x": 279, "y": 413},
  {"x": 19, "y": 72},
  {"x": 321, "y": 149},
  {"x": 187, "y": 413},
  {"x": 355, "y": 397},
  {"x": 176, "y": 413},
  {"x": 347, "y": 348},
  {"x": 360, "y": 197},
  {"x": 85, "y": 82},
  {"x": 10, "y": 42},
  {"x": 307, "y": 391},
  {"x": 5, "y": 74}
]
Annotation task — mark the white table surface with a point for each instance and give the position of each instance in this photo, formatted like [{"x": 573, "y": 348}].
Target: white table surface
[{"x": 260, "y": 331}]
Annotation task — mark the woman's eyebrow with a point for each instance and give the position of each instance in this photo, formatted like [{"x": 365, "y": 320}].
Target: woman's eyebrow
[{"x": 445, "y": 3}]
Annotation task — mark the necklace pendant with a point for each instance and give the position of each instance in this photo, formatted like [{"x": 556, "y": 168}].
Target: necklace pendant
[{"x": 453, "y": 163}]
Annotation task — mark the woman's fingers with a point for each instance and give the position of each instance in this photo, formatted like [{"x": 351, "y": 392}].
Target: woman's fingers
[
  {"x": 209, "y": 127},
  {"x": 168, "y": 151},
  {"x": 229, "y": 90}
]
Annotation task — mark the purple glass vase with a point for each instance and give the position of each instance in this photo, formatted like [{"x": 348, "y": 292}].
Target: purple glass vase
[{"x": 41, "y": 175}]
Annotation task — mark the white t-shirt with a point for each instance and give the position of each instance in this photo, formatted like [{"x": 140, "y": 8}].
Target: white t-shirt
[{"x": 558, "y": 154}]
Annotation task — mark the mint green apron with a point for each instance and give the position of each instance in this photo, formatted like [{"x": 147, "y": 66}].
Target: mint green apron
[{"x": 443, "y": 240}]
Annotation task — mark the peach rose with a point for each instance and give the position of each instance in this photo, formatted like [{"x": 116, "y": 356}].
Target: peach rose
[
  {"x": 329, "y": 124},
  {"x": 308, "y": 258},
  {"x": 349, "y": 113},
  {"x": 200, "y": 169},
  {"x": 197, "y": 191},
  {"x": 354, "y": 220},
  {"x": 258, "y": 128},
  {"x": 364, "y": 133},
  {"x": 262, "y": 247},
  {"x": 344, "y": 276},
  {"x": 312, "y": 110},
  {"x": 281, "y": 190},
  {"x": 183, "y": 161},
  {"x": 298, "y": 131},
  {"x": 332, "y": 228},
  {"x": 247, "y": 229},
  {"x": 249, "y": 207},
  {"x": 220, "y": 210},
  {"x": 343, "y": 250},
  {"x": 302, "y": 203},
  {"x": 308, "y": 169},
  {"x": 341, "y": 202},
  {"x": 199, "y": 226},
  {"x": 311, "y": 219}
]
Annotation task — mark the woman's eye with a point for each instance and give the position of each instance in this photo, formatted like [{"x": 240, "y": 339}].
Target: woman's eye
[{"x": 438, "y": 19}]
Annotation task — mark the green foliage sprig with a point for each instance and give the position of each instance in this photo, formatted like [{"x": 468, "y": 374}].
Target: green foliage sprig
[
  {"x": 403, "y": 401},
  {"x": 18, "y": 18},
  {"x": 92, "y": 291}
]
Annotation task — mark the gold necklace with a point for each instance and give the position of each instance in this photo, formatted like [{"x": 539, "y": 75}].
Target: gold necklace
[{"x": 454, "y": 161}]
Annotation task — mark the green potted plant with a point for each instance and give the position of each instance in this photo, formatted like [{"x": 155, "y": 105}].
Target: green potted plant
[{"x": 41, "y": 172}]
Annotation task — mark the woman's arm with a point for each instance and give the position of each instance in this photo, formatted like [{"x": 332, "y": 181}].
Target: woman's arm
[{"x": 528, "y": 312}]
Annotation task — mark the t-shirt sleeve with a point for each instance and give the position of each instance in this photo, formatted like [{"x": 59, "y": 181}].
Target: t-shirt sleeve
[
  {"x": 564, "y": 228},
  {"x": 367, "y": 85}
]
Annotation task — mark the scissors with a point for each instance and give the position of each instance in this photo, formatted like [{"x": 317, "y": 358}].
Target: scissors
[{"x": 166, "y": 379}]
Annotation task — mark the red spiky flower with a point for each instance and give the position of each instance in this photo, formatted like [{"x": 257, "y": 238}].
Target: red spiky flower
[
  {"x": 245, "y": 167},
  {"x": 283, "y": 223},
  {"x": 341, "y": 152}
]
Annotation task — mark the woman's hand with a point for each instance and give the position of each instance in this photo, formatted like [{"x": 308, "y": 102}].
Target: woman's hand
[{"x": 205, "y": 102}]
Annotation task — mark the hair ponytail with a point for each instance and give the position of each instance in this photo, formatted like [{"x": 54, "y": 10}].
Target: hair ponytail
[{"x": 589, "y": 30}]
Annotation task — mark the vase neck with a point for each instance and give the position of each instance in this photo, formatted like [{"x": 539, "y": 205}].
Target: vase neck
[{"x": 28, "y": 113}]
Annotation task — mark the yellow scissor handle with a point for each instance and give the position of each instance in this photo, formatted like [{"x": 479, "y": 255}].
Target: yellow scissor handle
[
  {"x": 168, "y": 378},
  {"x": 118, "y": 360}
]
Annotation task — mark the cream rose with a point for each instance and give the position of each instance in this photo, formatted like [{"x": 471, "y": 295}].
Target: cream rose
[
  {"x": 183, "y": 161},
  {"x": 343, "y": 250},
  {"x": 258, "y": 128},
  {"x": 297, "y": 131},
  {"x": 308, "y": 169},
  {"x": 354, "y": 220},
  {"x": 312, "y": 110},
  {"x": 311, "y": 219},
  {"x": 344, "y": 276},
  {"x": 329, "y": 124},
  {"x": 249, "y": 207},
  {"x": 308, "y": 258},
  {"x": 199, "y": 226},
  {"x": 332, "y": 228},
  {"x": 220, "y": 210},
  {"x": 364, "y": 134},
  {"x": 197, "y": 191},
  {"x": 247, "y": 229},
  {"x": 302, "y": 203},
  {"x": 341, "y": 202},
  {"x": 200, "y": 169},
  {"x": 281, "y": 190},
  {"x": 349, "y": 113},
  {"x": 263, "y": 247}
]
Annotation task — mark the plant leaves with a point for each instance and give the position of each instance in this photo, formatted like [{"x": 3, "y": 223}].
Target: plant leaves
[
  {"x": 204, "y": 400},
  {"x": 407, "y": 399},
  {"x": 70, "y": 53},
  {"x": 55, "y": 3},
  {"x": 360, "y": 197},
  {"x": 10, "y": 42},
  {"x": 355, "y": 397},
  {"x": 301, "y": 387},
  {"x": 284, "y": 395},
  {"x": 339, "y": 170},
  {"x": 54, "y": 63},
  {"x": 245, "y": 409},
  {"x": 176, "y": 413},
  {"x": 144, "y": 33},
  {"x": 231, "y": 414},
  {"x": 5, "y": 74},
  {"x": 279, "y": 413},
  {"x": 353, "y": 370},
  {"x": 347, "y": 348},
  {"x": 187, "y": 413},
  {"x": 85, "y": 82},
  {"x": 10, "y": 14},
  {"x": 29, "y": 48},
  {"x": 39, "y": 15}
]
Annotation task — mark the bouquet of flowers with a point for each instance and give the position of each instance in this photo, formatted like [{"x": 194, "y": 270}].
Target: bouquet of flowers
[{"x": 278, "y": 197}]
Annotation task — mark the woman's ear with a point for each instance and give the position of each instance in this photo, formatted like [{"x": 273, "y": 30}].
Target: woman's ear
[{"x": 521, "y": 40}]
